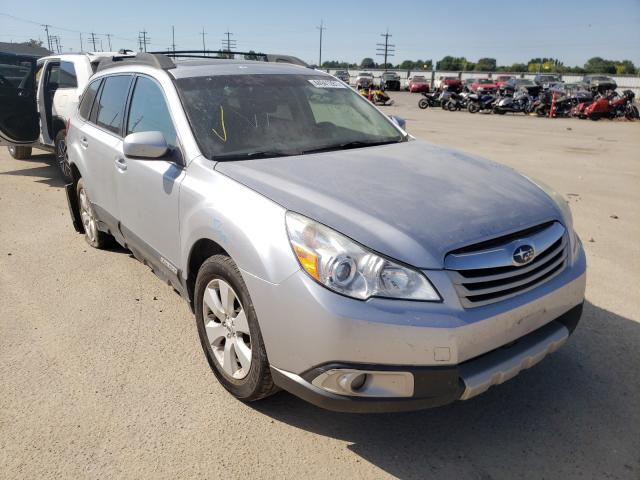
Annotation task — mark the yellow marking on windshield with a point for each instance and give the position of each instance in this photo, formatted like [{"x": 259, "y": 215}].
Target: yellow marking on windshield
[{"x": 222, "y": 137}]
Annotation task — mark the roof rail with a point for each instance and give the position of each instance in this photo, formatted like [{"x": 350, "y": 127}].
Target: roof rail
[
  {"x": 150, "y": 59},
  {"x": 213, "y": 54}
]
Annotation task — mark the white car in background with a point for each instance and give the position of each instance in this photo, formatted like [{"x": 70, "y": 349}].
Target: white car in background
[{"x": 58, "y": 83}]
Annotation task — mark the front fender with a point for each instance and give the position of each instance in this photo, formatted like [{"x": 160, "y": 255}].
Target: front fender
[{"x": 247, "y": 225}]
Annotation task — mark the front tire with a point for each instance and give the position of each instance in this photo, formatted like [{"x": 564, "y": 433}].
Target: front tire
[
  {"x": 473, "y": 108},
  {"x": 229, "y": 331},
  {"x": 423, "y": 103},
  {"x": 19, "y": 152}
]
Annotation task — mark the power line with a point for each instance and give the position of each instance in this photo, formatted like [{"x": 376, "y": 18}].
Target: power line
[
  {"x": 385, "y": 49},
  {"x": 321, "y": 28}
]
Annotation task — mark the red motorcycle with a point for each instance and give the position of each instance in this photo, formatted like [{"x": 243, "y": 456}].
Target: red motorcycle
[{"x": 609, "y": 105}]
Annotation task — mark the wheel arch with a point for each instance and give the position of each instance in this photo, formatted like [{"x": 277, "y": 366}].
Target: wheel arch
[{"x": 198, "y": 254}]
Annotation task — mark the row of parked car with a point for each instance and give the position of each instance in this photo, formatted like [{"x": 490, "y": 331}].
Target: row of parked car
[{"x": 419, "y": 83}]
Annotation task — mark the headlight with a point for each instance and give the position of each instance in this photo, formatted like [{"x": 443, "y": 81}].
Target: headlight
[{"x": 346, "y": 267}]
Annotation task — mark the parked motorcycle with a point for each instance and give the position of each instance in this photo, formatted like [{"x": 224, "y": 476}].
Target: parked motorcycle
[
  {"x": 376, "y": 95},
  {"x": 457, "y": 101},
  {"x": 519, "y": 103},
  {"x": 430, "y": 100},
  {"x": 612, "y": 105},
  {"x": 477, "y": 103},
  {"x": 622, "y": 105},
  {"x": 562, "y": 104}
]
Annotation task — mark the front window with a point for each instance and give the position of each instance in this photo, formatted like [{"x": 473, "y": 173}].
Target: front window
[
  {"x": 149, "y": 111},
  {"x": 253, "y": 116}
]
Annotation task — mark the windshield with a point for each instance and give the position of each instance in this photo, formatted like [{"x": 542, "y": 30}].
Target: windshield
[
  {"x": 484, "y": 81},
  {"x": 254, "y": 116},
  {"x": 419, "y": 79}
]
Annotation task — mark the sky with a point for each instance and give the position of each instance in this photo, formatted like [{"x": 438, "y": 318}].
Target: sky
[{"x": 510, "y": 31}]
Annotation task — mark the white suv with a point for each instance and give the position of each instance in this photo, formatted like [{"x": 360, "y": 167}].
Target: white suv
[{"x": 58, "y": 83}]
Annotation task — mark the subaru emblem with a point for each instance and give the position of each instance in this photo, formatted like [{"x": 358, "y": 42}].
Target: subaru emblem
[{"x": 523, "y": 254}]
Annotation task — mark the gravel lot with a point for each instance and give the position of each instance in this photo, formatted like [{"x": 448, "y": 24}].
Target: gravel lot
[{"x": 102, "y": 374}]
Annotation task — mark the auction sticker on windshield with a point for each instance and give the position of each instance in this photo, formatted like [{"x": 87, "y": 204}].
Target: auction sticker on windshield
[{"x": 327, "y": 84}]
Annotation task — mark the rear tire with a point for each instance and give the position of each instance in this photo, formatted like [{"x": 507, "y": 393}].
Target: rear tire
[
  {"x": 20, "y": 152},
  {"x": 423, "y": 103},
  {"x": 92, "y": 235},
  {"x": 61, "y": 155},
  {"x": 224, "y": 327}
]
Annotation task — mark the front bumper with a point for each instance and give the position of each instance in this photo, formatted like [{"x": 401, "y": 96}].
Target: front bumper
[
  {"x": 436, "y": 386},
  {"x": 306, "y": 326}
]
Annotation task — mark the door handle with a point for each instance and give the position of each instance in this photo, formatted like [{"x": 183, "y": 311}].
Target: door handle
[
  {"x": 121, "y": 164},
  {"x": 84, "y": 142}
]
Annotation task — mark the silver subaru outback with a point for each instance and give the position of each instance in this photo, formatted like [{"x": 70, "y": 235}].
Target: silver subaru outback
[{"x": 322, "y": 249}]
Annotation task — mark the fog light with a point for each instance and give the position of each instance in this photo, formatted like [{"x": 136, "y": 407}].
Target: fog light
[
  {"x": 352, "y": 382},
  {"x": 366, "y": 383}
]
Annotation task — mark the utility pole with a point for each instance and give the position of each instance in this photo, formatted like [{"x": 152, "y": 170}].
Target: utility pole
[
  {"x": 321, "y": 28},
  {"x": 55, "y": 44},
  {"x": 173, "y": 39},
  {"x": 93, "y": 40},
  {"x": 143, "y": 40},
  {"x": 228, "y": 44},
  {"x": 46, "y": 29},
  {"x": 204, "y": 48},
  {"x": 109, "y": 38},
  {"x": 385, "y": 49},
  {"x": 81, "y": 49}
]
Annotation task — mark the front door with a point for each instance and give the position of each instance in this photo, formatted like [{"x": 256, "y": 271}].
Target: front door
[
  {"x": 18, "y": 111},
  {"x": 148, "y": 190},
  {"x": 101, "y": 145}
]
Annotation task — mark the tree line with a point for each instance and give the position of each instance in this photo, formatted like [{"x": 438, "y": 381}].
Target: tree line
[{"x": 546, "y": 65}]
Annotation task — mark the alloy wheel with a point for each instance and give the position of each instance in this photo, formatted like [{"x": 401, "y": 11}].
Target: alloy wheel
[
  {"x": 227, "y": 328},
  {"x": 86, "y": 214},
  {"x": 61, "y": 156}
]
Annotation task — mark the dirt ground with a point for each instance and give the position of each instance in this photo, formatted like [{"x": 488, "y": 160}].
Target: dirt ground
[{"x": 102, "y": 374}]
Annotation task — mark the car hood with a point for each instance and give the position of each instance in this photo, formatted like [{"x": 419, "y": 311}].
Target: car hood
[{"x": 411, "y": 201}]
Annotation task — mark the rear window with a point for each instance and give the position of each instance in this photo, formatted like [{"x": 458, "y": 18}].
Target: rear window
[
  {"x": 87, "y": 99},
  {"x": 111, "y": 104},
  {"x": 67, "y": 78}
]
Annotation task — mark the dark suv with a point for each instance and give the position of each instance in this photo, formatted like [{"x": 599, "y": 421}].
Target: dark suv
[{"x": 390, "y": 81}]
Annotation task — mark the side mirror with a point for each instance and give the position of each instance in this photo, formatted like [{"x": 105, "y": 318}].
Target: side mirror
[
  {"x": 401, "y": 122},
  {"x": 149, "y": 145}
]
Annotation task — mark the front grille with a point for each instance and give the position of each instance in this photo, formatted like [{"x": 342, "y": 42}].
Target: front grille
[{"x": 484, "y": 273}]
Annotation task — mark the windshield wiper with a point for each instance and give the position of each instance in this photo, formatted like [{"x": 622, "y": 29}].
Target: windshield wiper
[
  {"x": 253, "y": 155},
  {"x": 348, "y": 145}
]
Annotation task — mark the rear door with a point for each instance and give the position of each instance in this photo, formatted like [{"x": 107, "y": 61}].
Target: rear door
[
  {"x": 148, "y": 190},
  {"x": 18, "y": 111}
]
